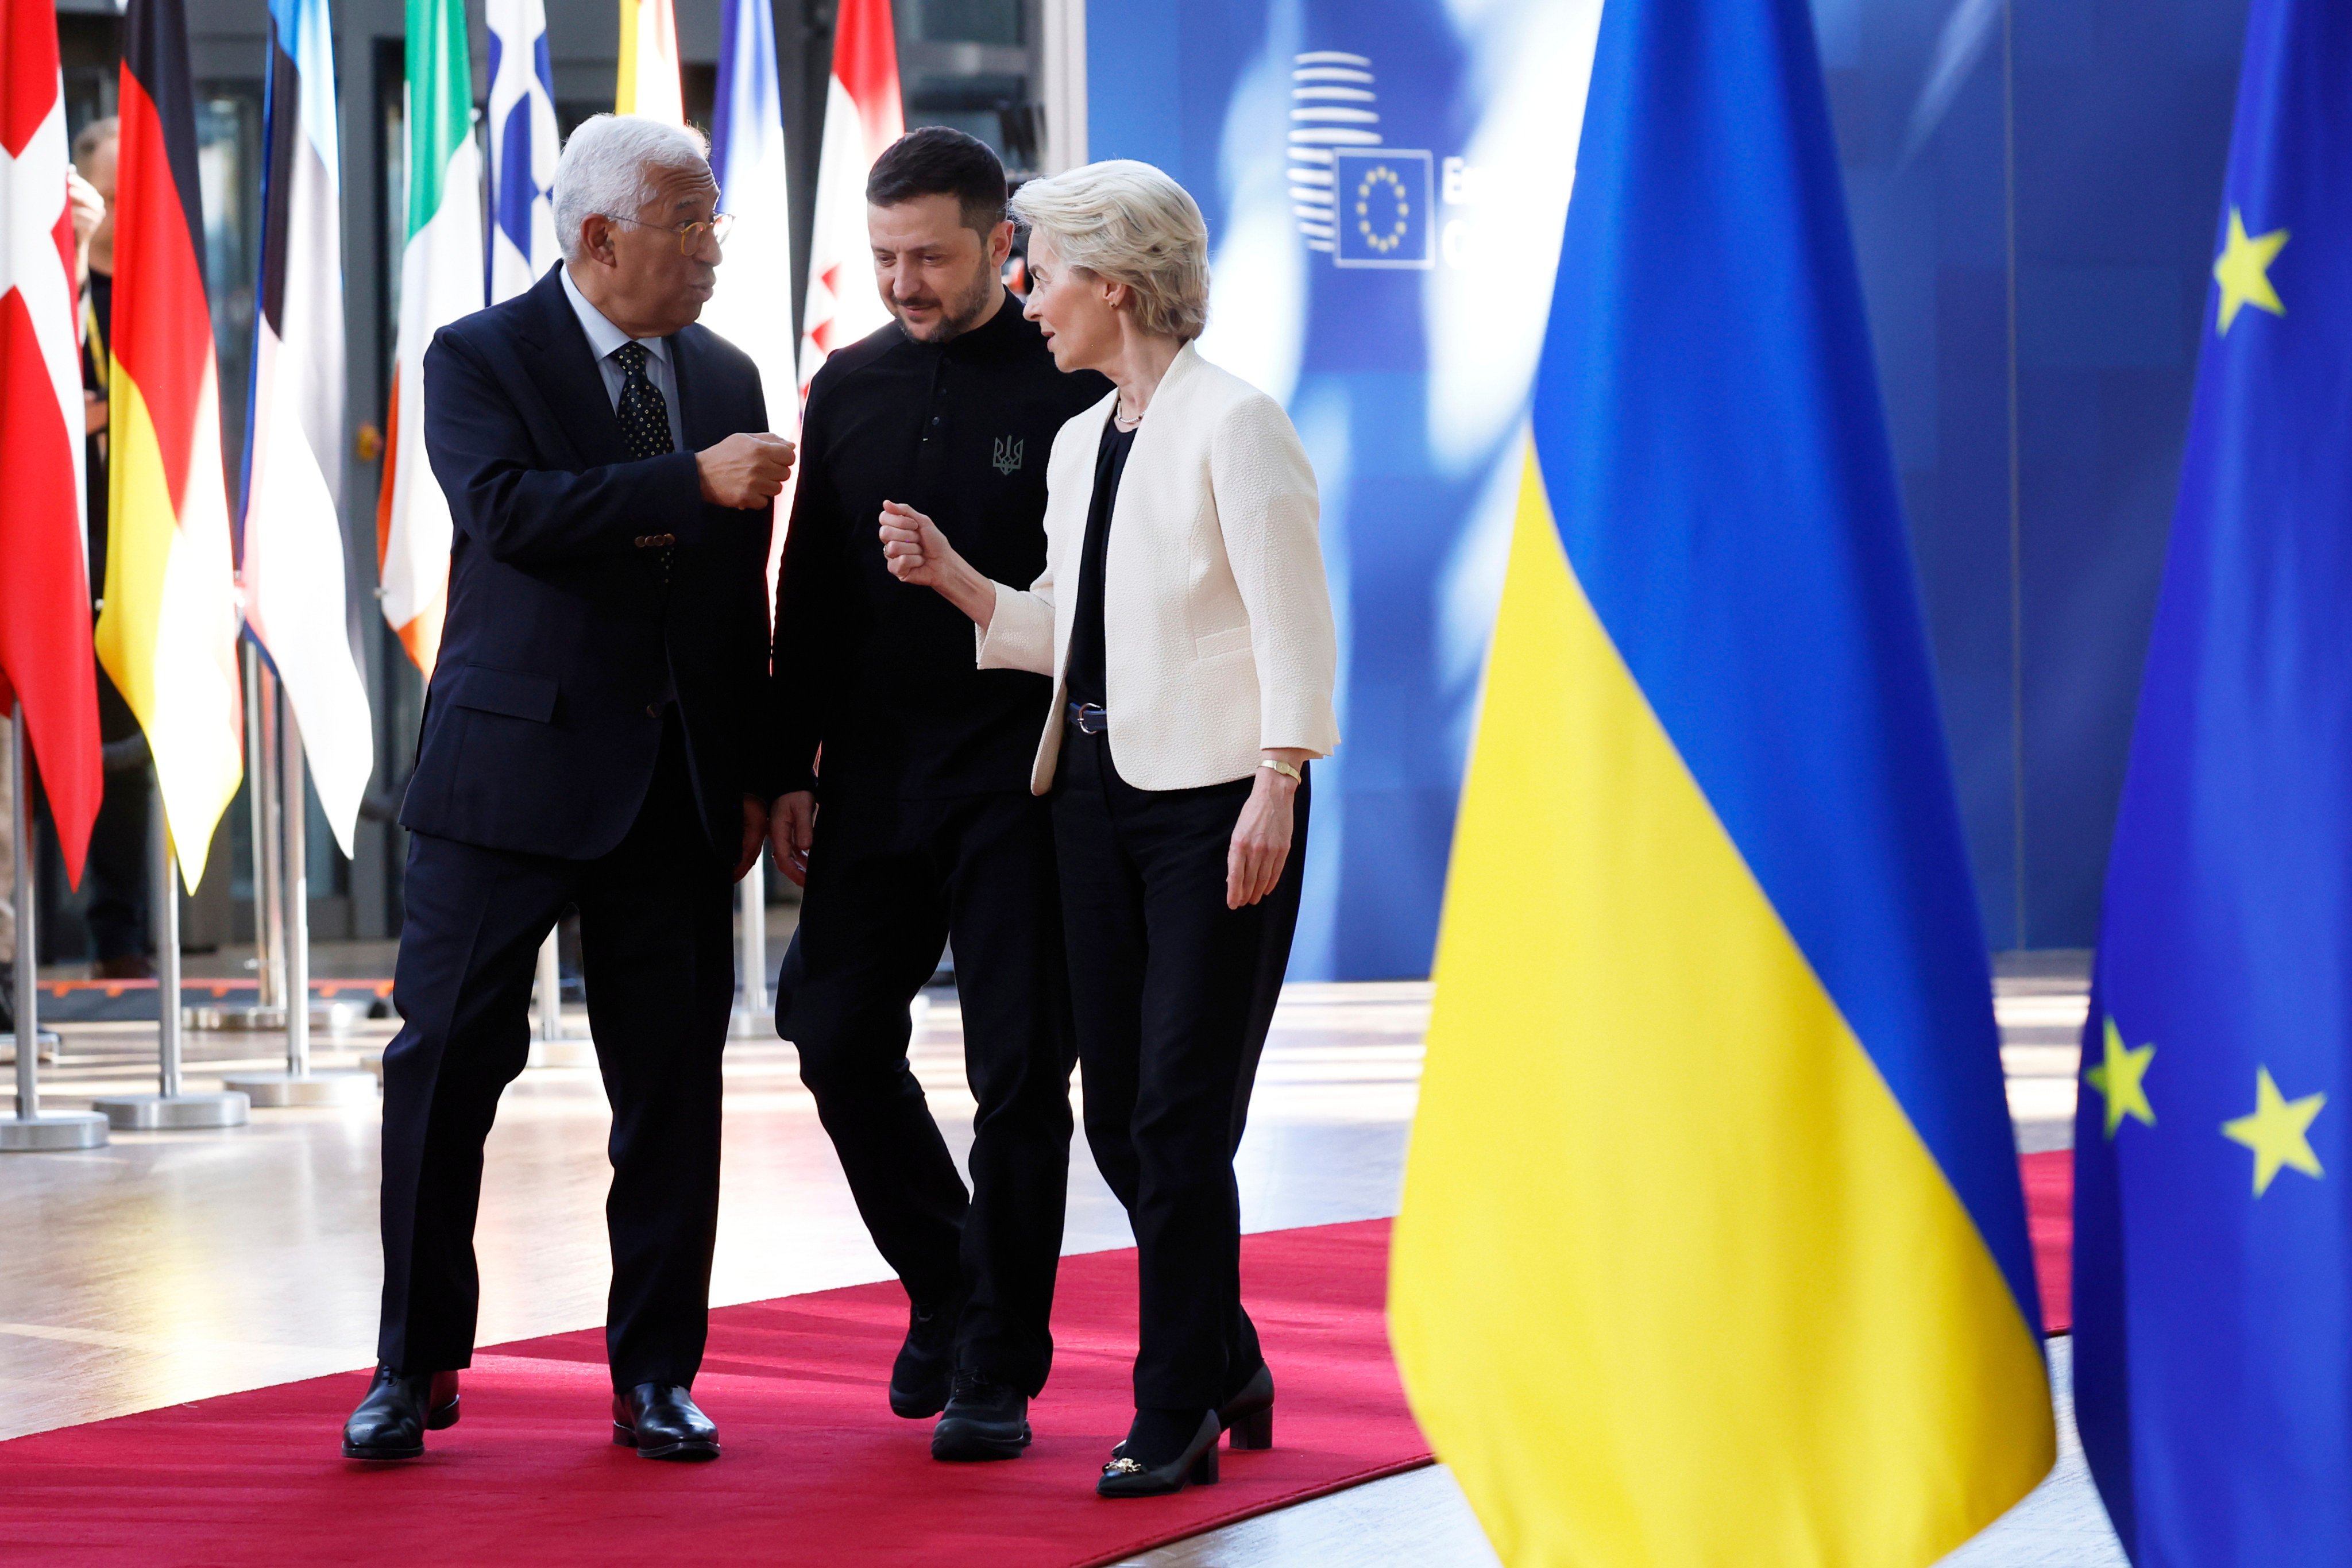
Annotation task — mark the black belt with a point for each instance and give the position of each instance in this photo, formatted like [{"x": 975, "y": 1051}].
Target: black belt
[{"x": 1090, "y": 717}]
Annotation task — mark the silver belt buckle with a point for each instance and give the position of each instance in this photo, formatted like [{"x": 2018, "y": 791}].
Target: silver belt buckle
[{"x": 1090, "y": 718}]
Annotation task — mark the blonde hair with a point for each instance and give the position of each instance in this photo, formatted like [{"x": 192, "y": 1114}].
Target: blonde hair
[{"x": 1128, "y": 223}]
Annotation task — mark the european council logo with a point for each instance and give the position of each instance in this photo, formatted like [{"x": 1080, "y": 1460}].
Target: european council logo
[{"x": 1384, "y": 207}]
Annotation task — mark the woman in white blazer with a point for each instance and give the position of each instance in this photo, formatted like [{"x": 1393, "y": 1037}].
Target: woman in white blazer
[{"x": 1184, "y": 616}]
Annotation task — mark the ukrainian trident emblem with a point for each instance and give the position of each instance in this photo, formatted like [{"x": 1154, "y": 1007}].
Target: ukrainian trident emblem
[{"x": 1008, "y": 453}]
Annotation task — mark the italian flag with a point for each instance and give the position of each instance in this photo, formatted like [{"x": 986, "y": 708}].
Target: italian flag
[{"x": 440, "y": 280}]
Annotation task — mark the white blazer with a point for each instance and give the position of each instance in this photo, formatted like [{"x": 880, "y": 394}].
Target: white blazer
[{"x": 1216, "y": 616}]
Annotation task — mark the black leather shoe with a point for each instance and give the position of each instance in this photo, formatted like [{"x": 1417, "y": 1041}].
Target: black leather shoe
[
  {"x": 391, "y": 1421},
  {"x": 661, "y": 1421},
  {"x": 984, "y": 1420},
  {"x": 922, "y": 1376},
  {"x": 1248, "y": 1415},
  {"x": 1194, "y": 1462}
]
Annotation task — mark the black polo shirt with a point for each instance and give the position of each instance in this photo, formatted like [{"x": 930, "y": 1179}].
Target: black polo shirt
[{"x": 876, "y": 674}]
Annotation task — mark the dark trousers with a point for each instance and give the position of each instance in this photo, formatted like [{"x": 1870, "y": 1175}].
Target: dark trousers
[
  {"x": 114, "y": 877},
  {"x": 1173, "y": 993},
  {"x": 656, "y": 954},
  {"x": 889, "y": 882}
]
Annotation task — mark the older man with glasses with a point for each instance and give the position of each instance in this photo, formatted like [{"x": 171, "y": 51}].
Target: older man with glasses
[{"x": 586, "y": 744}]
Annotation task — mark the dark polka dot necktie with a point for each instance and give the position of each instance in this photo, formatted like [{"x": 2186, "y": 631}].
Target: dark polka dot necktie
[{"x": 645, "y": 418}]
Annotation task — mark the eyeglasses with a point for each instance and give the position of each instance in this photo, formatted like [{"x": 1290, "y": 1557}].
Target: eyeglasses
[{"x": 689, "y": 234}]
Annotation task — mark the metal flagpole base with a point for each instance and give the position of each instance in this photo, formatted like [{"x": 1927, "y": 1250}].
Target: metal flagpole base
[
  {"x": 744, "y": 1024},
  {"x": 278, "y": 1088},
  {"x": 172, "y": 1112},
  {"x": 333, "y": 1017},
  {"x": 51, "y": 1130},
  {"x": 50, "y": 1045}
]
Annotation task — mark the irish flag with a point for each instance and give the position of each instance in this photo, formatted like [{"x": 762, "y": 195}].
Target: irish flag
[
  {"x": 168, "y": 633},
  {"x": 862, "y": 116},
  {"x": 648, "y": 81},
  {"x": 440, "y": 280},
  {"x": 45, "y": 653}
]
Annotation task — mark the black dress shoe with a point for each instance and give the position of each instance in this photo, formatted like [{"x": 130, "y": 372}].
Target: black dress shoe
[
  {"x": 1248, "y": 1413},
  {"x": 391, "y": 1421},
  {"x": 1137, "y": 1473},
  {"x": 920, "y": 1377},
  {"x": 984, "y": 1420},
  {"x": 661, "y": 1421}
]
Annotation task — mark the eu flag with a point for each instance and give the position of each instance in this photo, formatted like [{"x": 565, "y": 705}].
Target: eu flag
[{"x": 2213, "y": 1226}]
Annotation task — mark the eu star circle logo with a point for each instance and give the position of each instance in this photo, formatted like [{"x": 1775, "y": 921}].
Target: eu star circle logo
[{"x": 1383, "y": 211}]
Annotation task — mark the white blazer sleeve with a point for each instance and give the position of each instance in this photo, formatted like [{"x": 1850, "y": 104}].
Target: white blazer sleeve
[
  {"x": 1266, "y": 509},
  {"x": 1020, "y": 633}
]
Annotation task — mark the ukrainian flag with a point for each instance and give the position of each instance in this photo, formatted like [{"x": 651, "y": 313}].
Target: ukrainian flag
[{"x": 1713, "y": 1250}]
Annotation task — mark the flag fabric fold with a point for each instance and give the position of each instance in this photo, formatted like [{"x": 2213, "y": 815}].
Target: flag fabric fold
[
  {"x": 649, "y": 82},
  {"x": 2213, "y": 1285},
  {"x": 168, "y": 633},
  {"x": 862, "y": 115},
  {"x": 46, "y": 660},
  {"x": 292, "y": 567},
  {"x": 1713, "y": 1248},
  {"x": 521, "y": 119},
  {"x": 441, "y": 279}
]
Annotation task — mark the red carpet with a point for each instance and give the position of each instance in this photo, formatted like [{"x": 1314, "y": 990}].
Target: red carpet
[
  {"x": 816, "y": 1470},
  {"x": 2049, "y": 1217}
]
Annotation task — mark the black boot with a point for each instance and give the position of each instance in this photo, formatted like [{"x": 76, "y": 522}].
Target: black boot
[
  {"x": 391, "y": 1421},
  {"x": 1159, "y": 1458},
  {"x": 920, "y": 1377},
  {"x": 984, "y": 1420}
]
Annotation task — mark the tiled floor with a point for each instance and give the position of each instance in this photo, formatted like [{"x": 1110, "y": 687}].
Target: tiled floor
[{"x": 170, "y": 1265}]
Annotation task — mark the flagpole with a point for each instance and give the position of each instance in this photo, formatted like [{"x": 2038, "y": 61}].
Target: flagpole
[
  {"x": 267, "y": 1009},
  {"x": 28, "y": 1130},
  {"x": 298, "y": 1084},
  {"x": 551, "y": 1045},
  {"x": 169, "y": 1107},
  {"x": 753, "y": 1014}
]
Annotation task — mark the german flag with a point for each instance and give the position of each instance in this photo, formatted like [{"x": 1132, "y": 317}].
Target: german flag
[{"x": 169, "y": 628}]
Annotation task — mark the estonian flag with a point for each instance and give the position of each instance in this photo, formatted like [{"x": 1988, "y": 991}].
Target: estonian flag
[
  {"x": 292, "y": 563},
  {"x": 168, "y": 633},
  {"x": 2212, "y": 1275},
  {"x": 1712, "y": 1248}
]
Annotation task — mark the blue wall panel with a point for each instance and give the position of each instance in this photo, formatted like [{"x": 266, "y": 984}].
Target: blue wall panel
[{"x": 2033, "y": 196}]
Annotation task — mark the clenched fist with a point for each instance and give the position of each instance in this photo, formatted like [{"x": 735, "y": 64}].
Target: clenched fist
[{"x": 744, "y": 471}]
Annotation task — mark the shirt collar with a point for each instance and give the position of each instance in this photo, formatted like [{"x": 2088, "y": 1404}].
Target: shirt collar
[{"x": 603, "y": 336}]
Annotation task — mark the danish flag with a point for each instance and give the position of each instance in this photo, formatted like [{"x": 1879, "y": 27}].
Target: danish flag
[{"x": 48, "y": 667}]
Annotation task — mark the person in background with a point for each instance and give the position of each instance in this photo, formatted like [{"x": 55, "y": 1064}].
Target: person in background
[
  {"x": 1184, "y": 616},
  {"x": 92, "y": 213},
  {"x": 928, "y": 829},
  {"x": 114, "y": 880}
]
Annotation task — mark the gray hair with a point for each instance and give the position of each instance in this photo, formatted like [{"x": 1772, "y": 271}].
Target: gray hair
[
  {"x": 610, "y": 165},
  {"x": 1128, "y": 223}
]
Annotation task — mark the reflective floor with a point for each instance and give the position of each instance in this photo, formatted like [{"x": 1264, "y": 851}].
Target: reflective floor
[{"x": 169, "y": 1266}]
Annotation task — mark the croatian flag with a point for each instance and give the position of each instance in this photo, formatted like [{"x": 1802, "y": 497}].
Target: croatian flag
[
  {"x": 292, "y": 572},
  {"x": 862, "y": 115},
  {"x": 753, "y": 306},
  {"x": 522, "y": 149}
]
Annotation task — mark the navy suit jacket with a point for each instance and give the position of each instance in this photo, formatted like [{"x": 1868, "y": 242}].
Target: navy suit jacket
[{"x": 542, "y": 720}]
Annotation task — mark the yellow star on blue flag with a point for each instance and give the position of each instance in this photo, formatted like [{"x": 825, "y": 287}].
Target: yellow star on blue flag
[{"x": 2277, "y": 1131}]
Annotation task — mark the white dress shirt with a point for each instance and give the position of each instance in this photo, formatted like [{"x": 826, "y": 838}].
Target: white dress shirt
[{"x": 603, "y": 338}]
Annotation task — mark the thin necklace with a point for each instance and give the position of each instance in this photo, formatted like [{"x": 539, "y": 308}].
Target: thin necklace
[{"x": 1118, "y": 418}]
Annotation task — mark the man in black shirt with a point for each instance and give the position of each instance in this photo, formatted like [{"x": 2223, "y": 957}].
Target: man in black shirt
[{"x": 928, "y": 832}]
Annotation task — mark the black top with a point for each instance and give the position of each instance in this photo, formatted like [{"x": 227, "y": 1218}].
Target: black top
[
  {"x": 94, "y": 378},
  {"x": 1087, "y": 651},
  {"x": 876, "y": 674}
]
